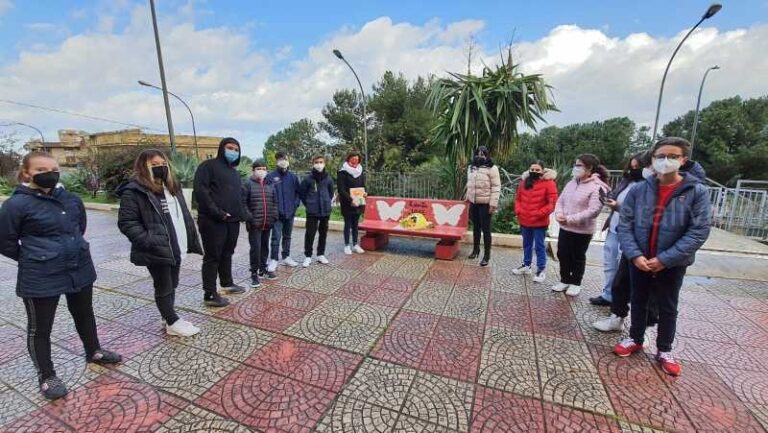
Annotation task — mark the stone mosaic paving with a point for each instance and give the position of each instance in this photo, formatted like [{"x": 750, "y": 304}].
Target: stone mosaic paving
[{"x": 386, "y": 342}]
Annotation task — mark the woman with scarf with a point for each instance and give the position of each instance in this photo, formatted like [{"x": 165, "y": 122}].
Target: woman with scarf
[
  {"x": 483, "y": 192},
  {"x": 351, "y": 176}
]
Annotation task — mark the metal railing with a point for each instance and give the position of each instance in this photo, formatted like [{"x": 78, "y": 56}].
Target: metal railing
[{"x": 742, "y": 210}]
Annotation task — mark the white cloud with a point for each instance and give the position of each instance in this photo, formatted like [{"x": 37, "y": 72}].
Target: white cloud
[{"x": 236, "y": 89}]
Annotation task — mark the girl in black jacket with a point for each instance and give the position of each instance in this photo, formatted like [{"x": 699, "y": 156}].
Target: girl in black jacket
[
  {"x": 41, "y": 228},
  {"x": 155, "y": 218},
  {"x": 351, "y": 176}
]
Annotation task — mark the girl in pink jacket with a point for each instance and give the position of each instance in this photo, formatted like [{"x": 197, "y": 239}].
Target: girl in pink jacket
[{"x": 576, "y": 211}]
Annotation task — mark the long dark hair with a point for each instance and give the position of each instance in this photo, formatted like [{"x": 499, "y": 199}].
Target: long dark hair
[
  {"x": 142, "y": 173},
  {"x": 592, "y": 163},
  {"x": 530, "y": 180},
  {"x": 636, "y": 157}
]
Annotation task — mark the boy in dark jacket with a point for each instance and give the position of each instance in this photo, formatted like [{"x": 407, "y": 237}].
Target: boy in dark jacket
[
  {"x": 286, "y": 185},
  {"x": 220, "y": 212},
  {"x": 316, "y": 192},
  {"x": 664, "y": 221},
  {"x": 261, "y": 203}
]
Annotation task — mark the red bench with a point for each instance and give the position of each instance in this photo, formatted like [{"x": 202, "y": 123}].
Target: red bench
[{"x": 383, "y": 214}]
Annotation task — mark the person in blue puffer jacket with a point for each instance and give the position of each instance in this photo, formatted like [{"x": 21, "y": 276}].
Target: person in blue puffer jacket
[
  {"x": 664, "y": 221},
  {"x": 42, "y": 227},
  {"x": 286, "y": 185},
  {"x": 316, "y": 192}
]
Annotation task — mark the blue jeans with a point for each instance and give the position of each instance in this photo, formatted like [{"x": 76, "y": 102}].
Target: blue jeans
[
  {"x": 281, "y": 231},
  {"x": 611, "y": 258},
  {"x": 534, "y": 237}
]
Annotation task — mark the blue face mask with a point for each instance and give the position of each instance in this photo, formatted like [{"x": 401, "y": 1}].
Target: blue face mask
[{"x": 231, "y": 155}]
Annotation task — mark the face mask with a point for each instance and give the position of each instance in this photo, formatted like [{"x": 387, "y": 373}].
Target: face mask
[
  {"x": 666, "y": 166},
  {"x": 534, "y": 175},
  {"x": 479, "y": 160},
  {"x": 260, "y": 174},
  {"x": 46, "y": 180},
  {"x": 648, "y": 173},
  {"x": 160, "y": 172},
  {"x": 231, "y": 155},
  {"x": 635, "y": 174},
  {"x": 319, "y": 167},
  {"x": 577, "y": 172},
  {"x": 353, "y": 163},
  {"x": 283, "y": 163}
]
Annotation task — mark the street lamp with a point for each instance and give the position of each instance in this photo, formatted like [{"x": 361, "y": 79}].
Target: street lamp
[
  {"x": 337, "y": 53},
  {"x": 42, "y": 139},
  {"x": 194, "y": 131},
  {"x": 171, "y": 136},
  {"x": 711, "y": 11},
  {"x": 698, "y": 104}
]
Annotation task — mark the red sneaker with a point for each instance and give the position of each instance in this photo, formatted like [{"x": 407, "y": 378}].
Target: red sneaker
[
  {"x": 668, "y": 363},
  {"x": 627, "y": 347}
]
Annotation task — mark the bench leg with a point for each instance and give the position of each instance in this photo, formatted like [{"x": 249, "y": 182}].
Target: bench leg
[
  {"x": 374, "y": 241},
  {"x": 446, "y": 250}
]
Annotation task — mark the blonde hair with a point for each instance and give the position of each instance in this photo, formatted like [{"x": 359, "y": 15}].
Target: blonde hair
[{"x": 27, "y": 160}]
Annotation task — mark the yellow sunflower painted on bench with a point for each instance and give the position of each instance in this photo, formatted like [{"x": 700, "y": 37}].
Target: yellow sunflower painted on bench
[{"x": 416, "y": 221}]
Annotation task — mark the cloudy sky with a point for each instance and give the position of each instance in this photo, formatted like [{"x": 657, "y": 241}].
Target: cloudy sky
[{"x": 249, "y": 68}]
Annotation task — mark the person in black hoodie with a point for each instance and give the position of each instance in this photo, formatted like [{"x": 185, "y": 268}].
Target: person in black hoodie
[
  {"x": 316, "y": 192},
  {"x": 351, "y": 176},
  {"x": 154, "y": 216},
  {"x": 42, "y": 227},
  {"x": 261, "y": 201},
  {"x": 220, "y": 212}
]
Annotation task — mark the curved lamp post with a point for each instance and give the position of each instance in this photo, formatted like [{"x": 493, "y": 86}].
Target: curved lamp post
[
  {"x": 194, "y": 131},
  {"x": 171, "y": 135},
  {"x": 711, "y": 11},
  {"x": 337, "y": 53},
  {"x": 698, "y": 104},
  {"x": 31, "y": 127}
]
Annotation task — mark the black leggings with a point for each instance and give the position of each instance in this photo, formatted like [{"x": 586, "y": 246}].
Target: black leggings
[
  {"x": 166, "y": 280},
  {"x": 572, "y": 253},
  {"x": 350, "y": 228},
  {"x": 40, "y": 315},
  {"x": 481, "y": 224}
]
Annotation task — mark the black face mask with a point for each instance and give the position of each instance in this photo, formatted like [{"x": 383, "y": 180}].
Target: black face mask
[
  {"x": 46, "y": 180},
  {"x": 535, "y": 175},
  {"x": 635, "y": 174},
  {"x": 160, "y": 172}
]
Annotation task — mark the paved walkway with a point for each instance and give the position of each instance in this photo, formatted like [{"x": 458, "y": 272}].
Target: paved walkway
[{"x": 387, "y": 342}]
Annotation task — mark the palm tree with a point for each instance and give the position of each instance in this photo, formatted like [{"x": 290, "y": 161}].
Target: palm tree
[{"x": 485, "y": 110}]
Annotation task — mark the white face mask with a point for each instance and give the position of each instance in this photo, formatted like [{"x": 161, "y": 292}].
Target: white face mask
[
  {"x": 282, "y": 163},
  {"x": 260, "y": 173},
  {"x": 647, "y": 173},
  {"x": 578, "y": 172},
  {"x": 666, "y": 166},
  {"x": 319, "y": 166}
]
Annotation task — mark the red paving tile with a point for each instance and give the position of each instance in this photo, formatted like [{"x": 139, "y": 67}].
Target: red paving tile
[
  {"x": 255, "y": 313},
  {"x": 356, "y": 291},
  {"x": 561, "y": 419},
  {"x": 417, "y": 323},
  {"x": 36, "y": 422},
  {"x": 14, "y": 341},
  {"x": 554, "y": 317},
  {"x": 463, "y": 331},
  {"x": 401, "y": 348},
  {"x": 454, "y": 359},
  {"x": 400, "y": 284},
  {"x": 388, "y": 298},
  {"x": 327, "y": 368},
  {"x": 282, "y": 355},
  {"x": 135, "y": 343},
  {"x": 500, "y": 412},
  {"x": 509, "y": 311}
]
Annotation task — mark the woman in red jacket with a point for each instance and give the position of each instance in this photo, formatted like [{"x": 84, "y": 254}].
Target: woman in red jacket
[{"x": 534, "y": 202}]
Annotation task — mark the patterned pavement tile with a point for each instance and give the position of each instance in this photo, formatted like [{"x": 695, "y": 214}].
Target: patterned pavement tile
[
  {"x": 357, "y": 291},
  {"x": 760, "y": 412},
  {"x": 375, "y": 315},
  {"x": 114, "y": 402},
  {"x": 339, "y": 308},
  {"x": 110, "y": 305},
  {"x": 327, "y": 368},
  {"x": 36, "y": 422},
  {"x": 350, "y": 415},
  {"x": 440, "y": 401},
  {"x": 749, "y": 386},
  {"x": 266, "y": 401},
  {"x": 464, "y": 331},
  {"x": 406, "y": 424},
  {"x": 381, "y": 383},
  {"x": 107, "y": 331},
  {"x": 454, "y": 359},
  {"x": 429, "y": 298},
  {"x": 586, "y": 315},
  {"x": 228, "y": 339},
  {"x": 422, "y": 324},
  {"x": 501, "y": 412},
  {"x": 180, "y": 370},
  {"x": 146, "y": 319},
  {"x": 467, "y": 304},
  {"x": 14, "y": 342},
  {"x": 508, "y": 283},
  {"x": 370, "y": 279},
  {"x": 745, "y": 335},
  {"x": 135, "y": 343},
  {"x": 509, "y": 311},
  {"x": 314, "y": 327},
  {"x": 297, "y": 299},
  {"x": 125, "y": 266},
  {"x": 566, "y": 420},
  {"x": 509, "y": 363},
  {"x": 716, "y": 354},
  {"x": 388, "y": 298},
  {"x": 141, "y": 288},
  {"x": 401, "y": 347},
  {"x": 400, "y": 284},
  {"x": 112, "y": 279},
  {"x": 13, "y": 405},
  {"x": 553, "y": 316},
  {"x": 702, "y": 330},
  {"x": 282, "y": 355},
  {"x": 265, "y": 316},
  {"x": 306, "y": 277},
  {"x": 196, "y": 420},
  {"x": 354, "y": 336},
  {"x": 634, "y": 428}
]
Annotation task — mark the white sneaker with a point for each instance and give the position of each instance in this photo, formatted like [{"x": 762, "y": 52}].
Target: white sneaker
[
  {"x": 573, "y": 290},
  {"x": 560, "y": 287},
  {"x": 181, "y": 328},
  {"x": 290, "y": 262},
  {"x": 610, "y": 324},
  {"x": 307, "y": 262},
  {"x": 272, "y": 267},
  {"x": 540, "y": 277},
  {"x": 348, "y": 250},
  {"x": 522, "y": 270},
  {"x": 322, "y": 260},
  {"x": 358, "y": 249}
]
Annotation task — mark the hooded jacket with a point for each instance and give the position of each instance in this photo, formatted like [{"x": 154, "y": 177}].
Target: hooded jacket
[
  {"x": 534, "y": 206},
  {"x": 316, "y": 193},
  {"x": 141, "y": 221},
  {"x": 684, "y": 226},
  {"x": 345, "y": 181},
  {"x": 484, "y": 184},
  {"x": 261, "y": 201},
  {"x": 44, "y": 234},
  {"x": 580, "y": 203},
  {"x": 218, "y": 188},
  {"x": 694, "y": 169},
  {"x": 286, "y": 185}
]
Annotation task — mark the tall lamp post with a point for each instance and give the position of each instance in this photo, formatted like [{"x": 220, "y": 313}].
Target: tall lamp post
[
  {"x": 337, "y": 53},
  {"x": 194, "y": 131},
  {"x": 171, "y": 135},
  {"x": 698, "y": 105},
  {"x": 711, "y": 11},
  {"x": 42, "y": 138}
]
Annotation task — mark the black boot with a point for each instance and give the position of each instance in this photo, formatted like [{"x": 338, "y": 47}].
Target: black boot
[
  {"x": 475, "y": 252},
  {"x": 486, "y": 257}
]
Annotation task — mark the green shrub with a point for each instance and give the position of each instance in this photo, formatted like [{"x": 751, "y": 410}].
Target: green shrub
[
  {"x": 184, "y": 168},
  {"x": 6, "y": 186},
  {"x": 116, "y": 165},
  {"x": 505, "y": 221}
]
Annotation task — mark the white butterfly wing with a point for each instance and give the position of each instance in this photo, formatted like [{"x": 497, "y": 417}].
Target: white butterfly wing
[
  {"x": 387, "y": 212},
  {"x": 445, "y": 216}
]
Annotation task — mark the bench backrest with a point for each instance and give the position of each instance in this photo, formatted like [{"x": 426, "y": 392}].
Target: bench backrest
[{"x": 449, "y": 213}]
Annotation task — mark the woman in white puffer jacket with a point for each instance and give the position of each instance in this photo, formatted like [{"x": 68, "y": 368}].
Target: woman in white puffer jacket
[{"x": 483, "y": 191}]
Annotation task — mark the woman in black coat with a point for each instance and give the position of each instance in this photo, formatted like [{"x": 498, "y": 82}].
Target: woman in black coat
[
  {"x": 351, "y": 176},
  {"x": 41, "y": 228},
  {"x": 155, "y": 218}
]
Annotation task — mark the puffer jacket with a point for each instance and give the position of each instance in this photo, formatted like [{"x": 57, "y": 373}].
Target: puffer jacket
[
  {"x": 484, "y": 185},
  {"x": 580, "y": 203},
  {"x": 260, "y": 199},
  {"x": 44, "y": 234},
  {"x": 684, "y": 227},
  {"x": 316, "y": 192},
  {"x": 534, "y": 206},
  {"x": 141, "y": 221}
]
